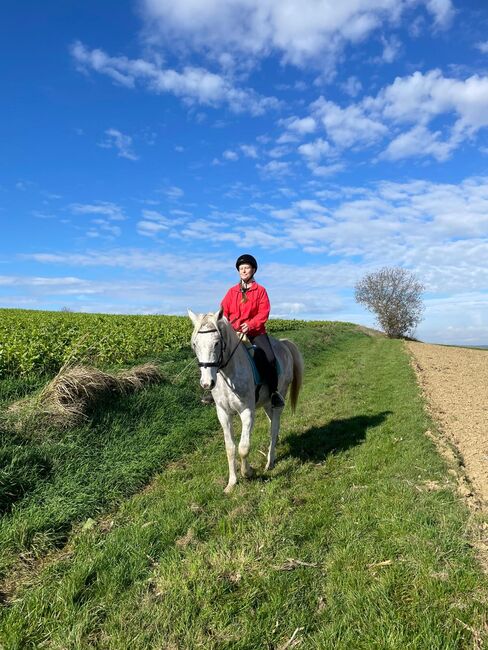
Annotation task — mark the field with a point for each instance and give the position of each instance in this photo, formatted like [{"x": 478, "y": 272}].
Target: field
[
  {"x": 455, "y": 382},
  {"x": 117, "y": 534},
  {"x": 39, "y": 343}
]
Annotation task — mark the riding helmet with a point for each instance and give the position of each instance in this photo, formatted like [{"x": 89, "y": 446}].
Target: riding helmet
[{"x": 247, "y": 259}]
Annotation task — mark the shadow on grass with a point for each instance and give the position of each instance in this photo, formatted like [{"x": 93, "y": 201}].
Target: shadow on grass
[{"x": 337, "y": 435}]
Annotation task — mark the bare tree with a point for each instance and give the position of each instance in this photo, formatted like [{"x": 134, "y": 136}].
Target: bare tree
[{"x": 394, "y": 295}]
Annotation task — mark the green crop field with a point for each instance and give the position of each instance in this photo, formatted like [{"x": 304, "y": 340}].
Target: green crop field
[
  {"x": 40, "y": 342},
  {"x": 117, "y": 534}
]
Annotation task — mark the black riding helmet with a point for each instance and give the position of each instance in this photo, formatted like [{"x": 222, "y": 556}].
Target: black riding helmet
[{"x": 247, "y": 259}]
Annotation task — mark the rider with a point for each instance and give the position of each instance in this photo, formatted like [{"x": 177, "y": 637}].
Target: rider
[{"x": 246, "y": 306}]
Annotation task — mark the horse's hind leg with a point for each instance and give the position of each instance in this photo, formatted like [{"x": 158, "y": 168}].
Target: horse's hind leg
[
  {"x": 247, "y": 419},
  {"x": 274, "y": 416},
  {"x": 225, "y": 420}
]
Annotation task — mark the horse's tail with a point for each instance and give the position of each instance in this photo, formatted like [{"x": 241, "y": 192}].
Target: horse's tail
[{"x": 298, "y": 367}]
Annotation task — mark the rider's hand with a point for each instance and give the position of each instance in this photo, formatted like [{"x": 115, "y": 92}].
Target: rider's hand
[{"x": 244, "y": 328}]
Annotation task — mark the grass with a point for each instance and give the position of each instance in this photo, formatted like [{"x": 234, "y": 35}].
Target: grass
[
  {"x": 356, "y": 539},
  {"x": 52, "y": 480}
]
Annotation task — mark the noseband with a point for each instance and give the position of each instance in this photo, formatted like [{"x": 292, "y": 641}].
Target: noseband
[{"x": 219, "y": 363}]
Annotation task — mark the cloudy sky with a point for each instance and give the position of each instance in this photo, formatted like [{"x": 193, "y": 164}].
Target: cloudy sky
[{"x": 145, "y": 144}]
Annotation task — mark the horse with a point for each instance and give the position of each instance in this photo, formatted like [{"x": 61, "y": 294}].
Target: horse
[{"x": 226, "y": 370}]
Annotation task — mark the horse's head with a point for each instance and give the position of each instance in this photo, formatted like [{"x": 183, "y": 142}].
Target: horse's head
[{"x": 208, "y": 342}]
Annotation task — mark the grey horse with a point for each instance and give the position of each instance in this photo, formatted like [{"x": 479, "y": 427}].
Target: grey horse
[{"x": 226, "y": 370}]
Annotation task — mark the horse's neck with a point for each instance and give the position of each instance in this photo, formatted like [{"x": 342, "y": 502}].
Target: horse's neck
[{"x": 235, "y": 348}]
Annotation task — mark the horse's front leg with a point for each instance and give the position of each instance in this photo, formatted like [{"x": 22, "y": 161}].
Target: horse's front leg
[
  {"x": 247, "y": 419},
  {"x": 274, "y": 416},
  {"x": 225, "y": 420}
]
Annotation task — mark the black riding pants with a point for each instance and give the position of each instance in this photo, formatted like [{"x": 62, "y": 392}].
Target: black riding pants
[{"x": 262, "y": 342}]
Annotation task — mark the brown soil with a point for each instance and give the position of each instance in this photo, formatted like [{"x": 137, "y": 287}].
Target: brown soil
[{"x": 455, "y": 382}]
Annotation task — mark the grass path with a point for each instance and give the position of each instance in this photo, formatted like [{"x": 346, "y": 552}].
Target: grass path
[{"x": 355, "y": 540}]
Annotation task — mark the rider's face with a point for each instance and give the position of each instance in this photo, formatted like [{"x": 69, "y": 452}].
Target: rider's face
[{"x": 246, "y": 272}]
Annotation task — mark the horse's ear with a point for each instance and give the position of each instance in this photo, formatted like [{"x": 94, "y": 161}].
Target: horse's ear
[
  {"x": 220, "y": 313},
  {"x": 193, "y": 316}
]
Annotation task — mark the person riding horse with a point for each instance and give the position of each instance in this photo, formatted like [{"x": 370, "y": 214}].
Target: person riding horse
[{"x": 246, "y": 306}]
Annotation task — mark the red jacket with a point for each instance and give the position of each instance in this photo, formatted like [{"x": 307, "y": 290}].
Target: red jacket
[{"x": 254, "y": 312}]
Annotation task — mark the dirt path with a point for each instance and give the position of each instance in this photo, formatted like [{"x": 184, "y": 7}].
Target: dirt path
[{"x": 455, "y": 381}]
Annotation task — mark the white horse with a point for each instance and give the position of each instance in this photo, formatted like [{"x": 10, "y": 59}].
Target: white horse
[{"x": 226, "y": 370}]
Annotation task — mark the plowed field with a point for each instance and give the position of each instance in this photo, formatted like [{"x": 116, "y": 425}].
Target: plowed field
[{"x": 455, "y": 382}]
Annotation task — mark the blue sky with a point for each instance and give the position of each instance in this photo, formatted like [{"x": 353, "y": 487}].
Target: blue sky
[{"x": 146, "y": 144}]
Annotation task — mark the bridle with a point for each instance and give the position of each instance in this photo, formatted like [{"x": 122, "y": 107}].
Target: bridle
[{"x": 219, "y": 363}]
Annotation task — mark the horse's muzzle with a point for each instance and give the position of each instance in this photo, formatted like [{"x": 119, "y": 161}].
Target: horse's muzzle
[{"x": 207, "y": 385}]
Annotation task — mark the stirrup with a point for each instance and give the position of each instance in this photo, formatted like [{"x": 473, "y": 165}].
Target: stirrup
[{"x": 277, "y": 400}]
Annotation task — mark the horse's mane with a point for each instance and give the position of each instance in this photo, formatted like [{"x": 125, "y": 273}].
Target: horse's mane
[{"x": 228, "y": 333}]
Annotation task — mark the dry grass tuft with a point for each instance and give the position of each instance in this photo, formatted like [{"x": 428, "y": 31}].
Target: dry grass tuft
[{"x": 67, "y": 400}]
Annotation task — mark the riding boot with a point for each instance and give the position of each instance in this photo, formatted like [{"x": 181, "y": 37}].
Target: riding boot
[{"x": 277, "y": 400}]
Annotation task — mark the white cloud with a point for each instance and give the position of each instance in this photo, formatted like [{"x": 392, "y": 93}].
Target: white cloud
[
  {"x": 153, "y": 223},
  {"x": 302, "y": 126},
  {"x": 135, "y": 259},
  {"x": 174, "y": 193},
  {"x": 230, "y": 155},
  {"x": 112, "y": 295},
  {"x": 482, "y": 47},
  {"x": 104, "y": 228},
  {"x": 22, "y": 186},
  {"x": 327, "y": 170},
  {"x": 442, "y": 10},
  {"x": 315, "y": 150},
  {"x": 309, "y": 205},
  {"x": 350, "y": 126},
  {"x": 115, "y": 139},
  {"x": 439, "y": 230},
  {"x": 103, "y": 215},
  {"x": 300, "y": 30},
  {"x": 401, "y": 112},
  {"x": 419, "y": 141},
  {"x": 275, "y": 168},
  {"x": 278, "y": 152},
  {"x": 150, "y": 228},
  {"x": 6, "y": 280},
  {"x": 249, "y": 150},
  {"x": 421, "y": 97},
  {"x": 352, "y": 86},
  {"x": 391, "y": 49},
  {"x": 193, "y": 85},
  {"x": 111, "y": 210}
]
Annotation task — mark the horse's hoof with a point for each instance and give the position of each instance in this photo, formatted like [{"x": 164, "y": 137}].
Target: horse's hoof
[
  {"x": 249, "y": 473},
  {"x": 229, "y": 488},
  {"x": 269, "y": 466}
]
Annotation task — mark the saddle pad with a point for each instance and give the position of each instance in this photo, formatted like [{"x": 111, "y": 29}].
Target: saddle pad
[
  {"x": 257, "y": 377},
  {"x": 258, "y": 372}
]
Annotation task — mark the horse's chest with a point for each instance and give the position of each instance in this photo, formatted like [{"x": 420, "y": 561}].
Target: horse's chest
[{"x": 235, "y": 391}]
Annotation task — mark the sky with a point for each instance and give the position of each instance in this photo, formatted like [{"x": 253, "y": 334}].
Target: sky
[{"x": 145, "y": 144}]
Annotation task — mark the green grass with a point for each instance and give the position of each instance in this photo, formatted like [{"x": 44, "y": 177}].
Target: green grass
[
  {"x": 345, "y": 543},
  {"x": 51, "y": 480}
]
